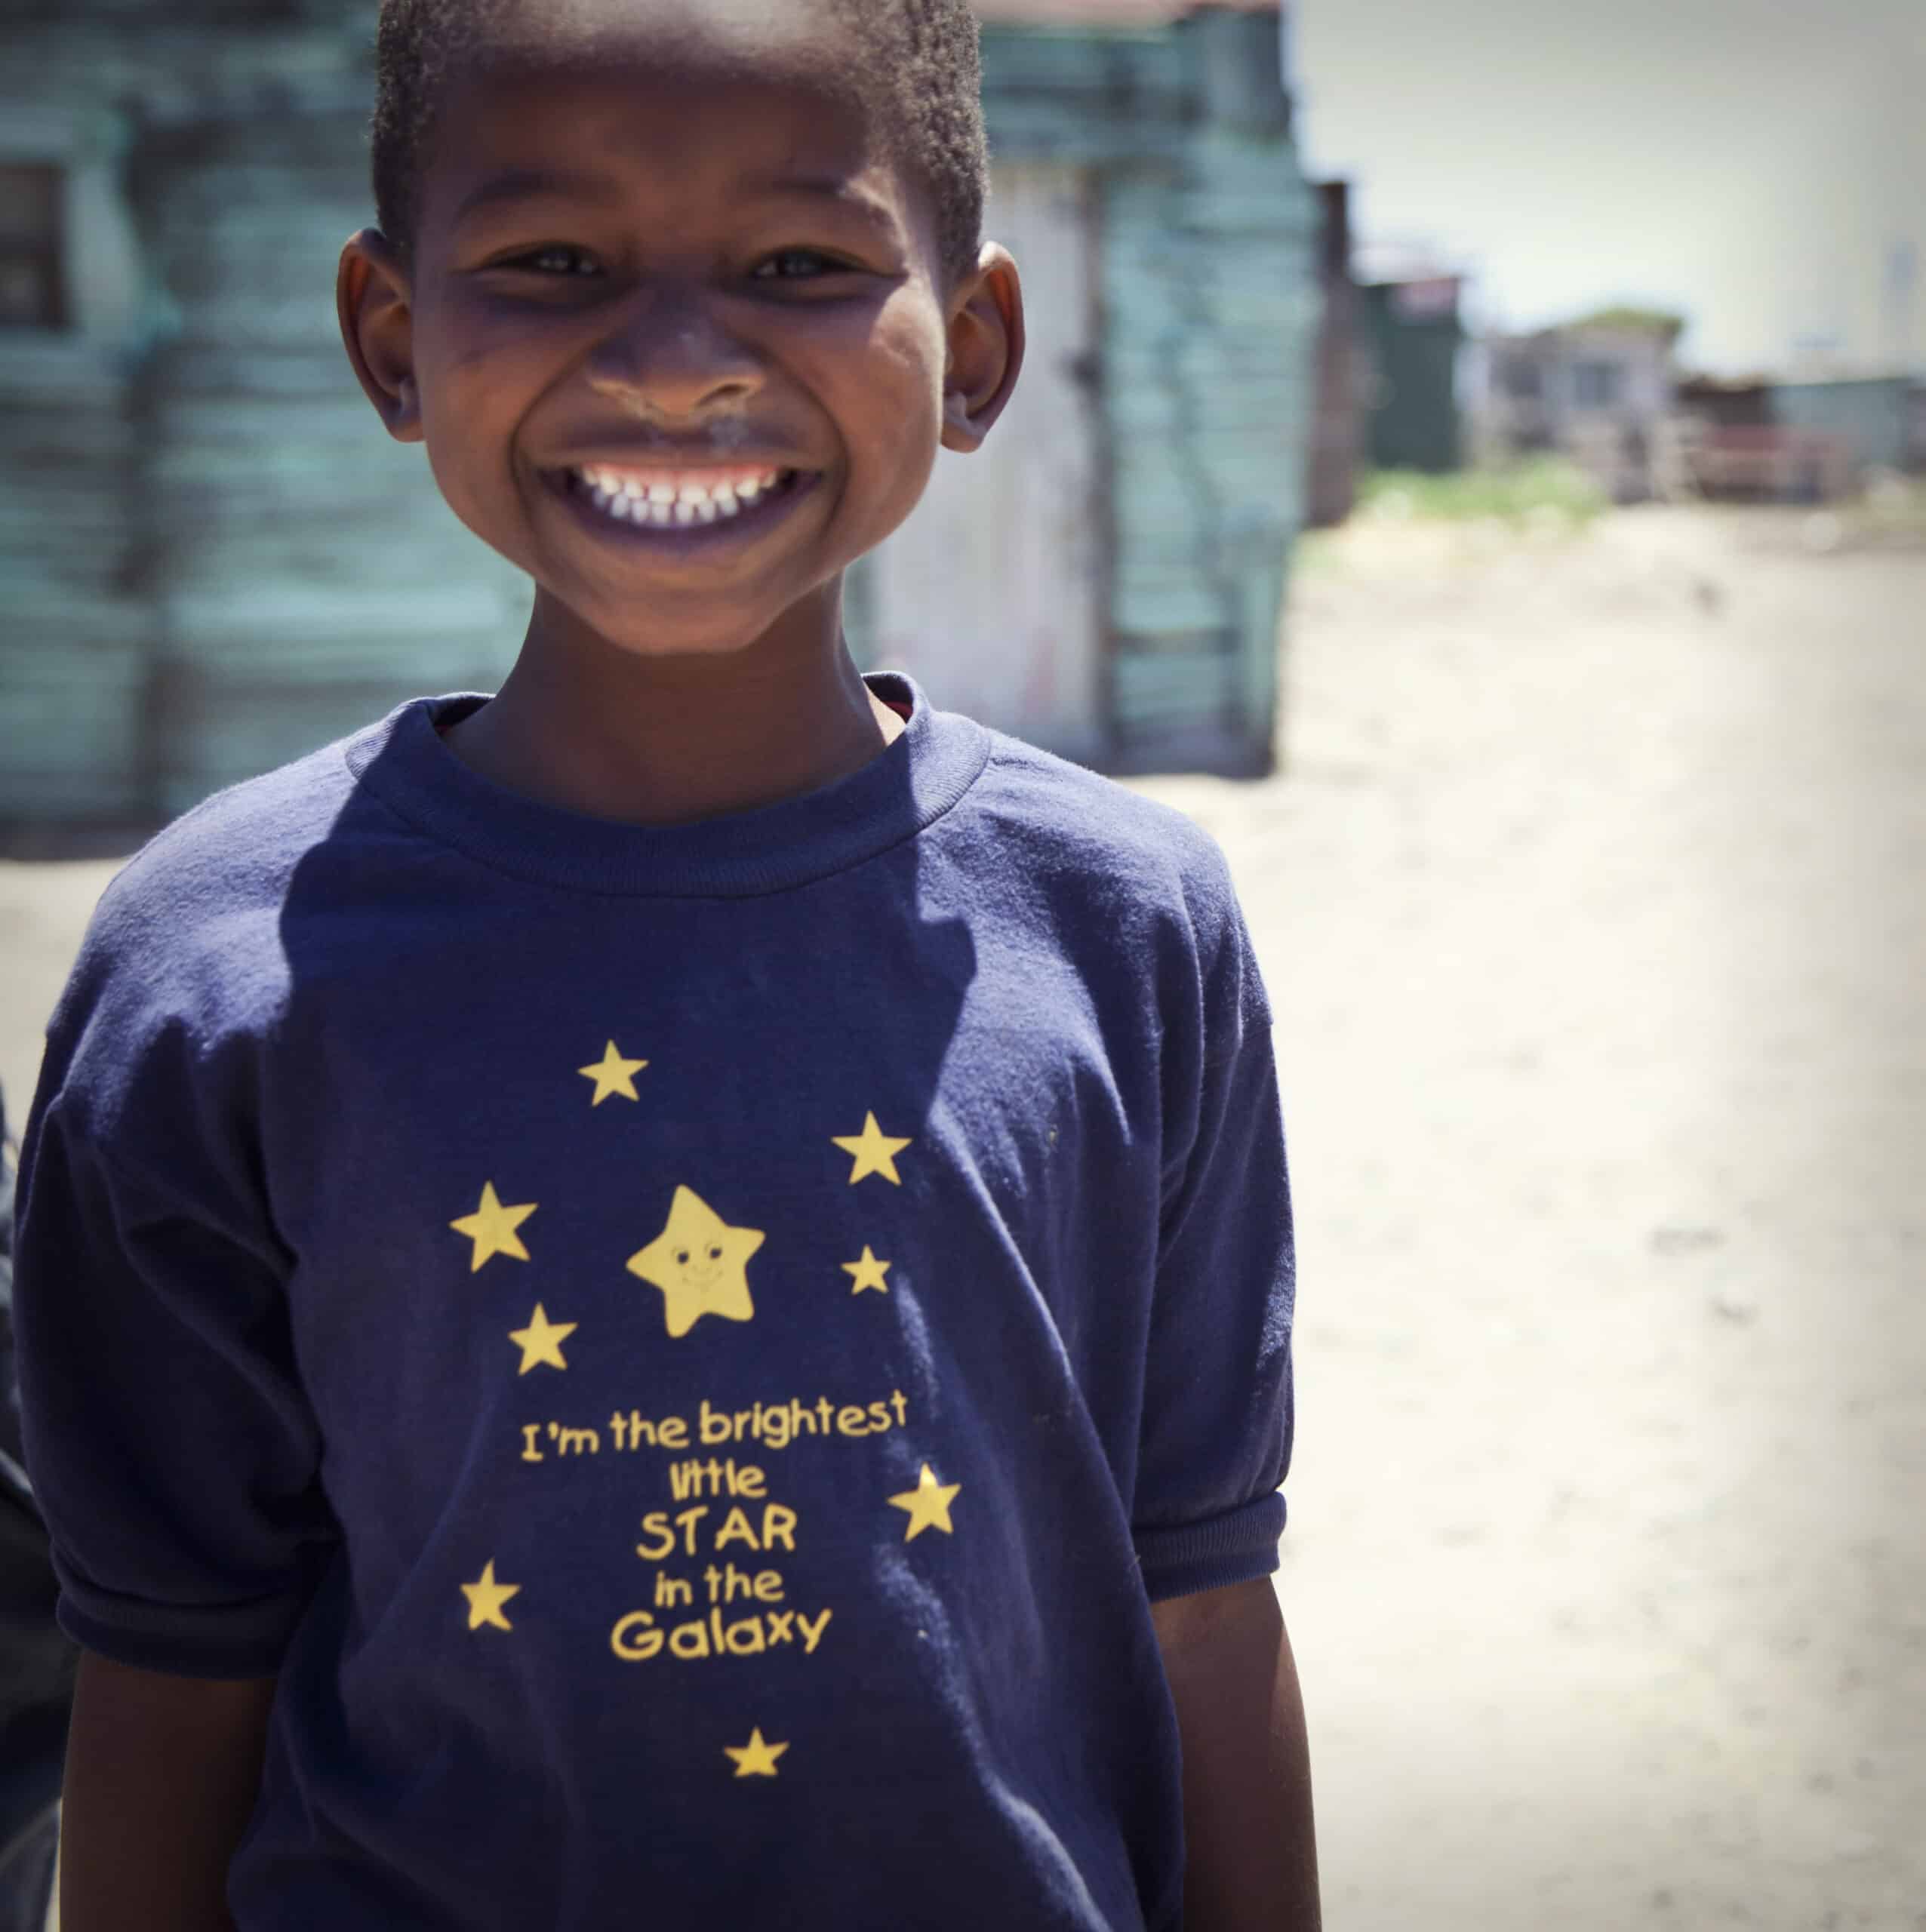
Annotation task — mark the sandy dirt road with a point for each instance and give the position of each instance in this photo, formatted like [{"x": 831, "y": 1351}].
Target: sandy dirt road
[
  {"x": 1592, "y": 902},
  {"x": 1594, "y": 909}
]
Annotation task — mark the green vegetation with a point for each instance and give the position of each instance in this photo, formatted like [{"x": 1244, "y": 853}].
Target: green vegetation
[
  {"x": 1513, "y": 493},
  {"x": 1652, "y": 322}
]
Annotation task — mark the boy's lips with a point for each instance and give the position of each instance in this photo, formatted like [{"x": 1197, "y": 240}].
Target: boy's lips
[{"x": 682, "y": 509}]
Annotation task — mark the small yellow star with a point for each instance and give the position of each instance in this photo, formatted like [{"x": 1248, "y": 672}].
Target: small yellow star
[
  {"x": 612, "y": 1073},
  {"x": 928, "y": 1505},
  {"x": 541, "y": 1341},
  {"x": 492, "y": 1228},
  {"x": 874, "y": 1151},
  {"x": 867, "y": 1273},
  {"x": 755, "y": 1759},
  {"x": 485, "y": 1599}
]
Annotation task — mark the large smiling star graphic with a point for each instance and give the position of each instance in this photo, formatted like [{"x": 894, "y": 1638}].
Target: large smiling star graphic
[{"x": 698, "y": 1261}]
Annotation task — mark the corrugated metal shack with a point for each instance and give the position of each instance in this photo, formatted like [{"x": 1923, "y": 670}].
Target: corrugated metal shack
[
  {"x": 1141, "y": 494},
  {"x": 1415, "y": 334},
  {"x": 1872, "y": 415},
  {"x": 212, "y": 559}
]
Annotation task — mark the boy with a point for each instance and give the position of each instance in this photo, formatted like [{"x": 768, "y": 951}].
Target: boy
[{"x": 665, "y": 1299}]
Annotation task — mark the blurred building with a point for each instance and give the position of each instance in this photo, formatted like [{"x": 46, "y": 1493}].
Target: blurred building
[
  {"x": 1873, "y": 416},
  {"x": 1344, "y": 374},
  {"x": 1594, "y": 390},
  {"x": 1413, "y": 334},
  {"x": 1104, "y": 577},
  {"x": 214, "y": 559},
  {"x": 1809, "y": 440}
]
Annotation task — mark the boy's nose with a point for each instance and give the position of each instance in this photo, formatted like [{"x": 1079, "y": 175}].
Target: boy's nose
[{"x": 668, "y": 357}]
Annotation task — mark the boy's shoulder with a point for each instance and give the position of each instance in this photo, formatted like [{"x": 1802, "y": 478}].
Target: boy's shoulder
[
  {"x": 191, "y": 922},
  {"x": 1074, "y": 828},
  {"x": 236, "y": 847}
]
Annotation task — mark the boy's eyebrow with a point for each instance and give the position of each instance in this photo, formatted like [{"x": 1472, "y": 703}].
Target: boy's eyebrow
[
  {"x": 845, "y": 194},
  {"x": 526, "y": 184}
]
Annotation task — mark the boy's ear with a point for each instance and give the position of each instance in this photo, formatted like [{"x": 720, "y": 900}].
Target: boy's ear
[
  {"x": 371, "y": 298},
  {"x": 986, "y": 349}
]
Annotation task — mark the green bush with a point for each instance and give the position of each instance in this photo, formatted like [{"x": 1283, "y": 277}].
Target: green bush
[{"x": 1511, "y": 493}]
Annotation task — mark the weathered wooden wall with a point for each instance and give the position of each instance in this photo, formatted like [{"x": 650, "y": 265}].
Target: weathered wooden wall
[
  {"x": 75, "y": 627},
  {"x": 1209, "y": 304},
  {"x": 307, "y": 573},
  {"x": 995, "y": 594},
  {"x": 213, "y": 557}
]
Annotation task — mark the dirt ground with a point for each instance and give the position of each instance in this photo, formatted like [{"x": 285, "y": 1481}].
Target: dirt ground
[{"x": 1592, "y": 902}]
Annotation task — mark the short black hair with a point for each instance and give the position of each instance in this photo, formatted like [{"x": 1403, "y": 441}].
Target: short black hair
[{"x": 919, "y": 59}]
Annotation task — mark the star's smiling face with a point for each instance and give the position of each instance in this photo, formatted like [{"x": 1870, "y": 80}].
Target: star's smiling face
[
  {"x": 698, "y": 1266},
  {"x": 675, "y": 332}
]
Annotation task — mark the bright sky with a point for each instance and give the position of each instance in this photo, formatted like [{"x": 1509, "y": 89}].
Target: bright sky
[{"x": 1753, "y": 163}]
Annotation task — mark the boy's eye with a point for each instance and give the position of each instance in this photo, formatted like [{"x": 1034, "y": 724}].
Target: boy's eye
[
  {"x": 555, "y": 251},
  {"x": 796, "y": 265}
]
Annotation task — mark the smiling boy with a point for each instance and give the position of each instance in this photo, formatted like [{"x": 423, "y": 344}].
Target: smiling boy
[{"x": 667, "y": 1298}]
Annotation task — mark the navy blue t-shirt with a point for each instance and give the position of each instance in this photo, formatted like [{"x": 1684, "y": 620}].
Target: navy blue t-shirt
[{"x": 689, "y": 1352}]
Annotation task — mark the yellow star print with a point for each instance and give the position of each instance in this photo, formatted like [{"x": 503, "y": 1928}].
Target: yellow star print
[
  {"x": 492, "y": 1228},
  {"x": 755, "y": 1759},
  {"x": 541, "y": 1341},
  {"x": 485, "y": 1599},
  {"x": 867, "y": 1273},
  {"x": 928, "y": 1505},
  {"x": 874, "y": 1151},
  {"x": 612, "y": 1073},
  {"x": 698, "y": 1261}
]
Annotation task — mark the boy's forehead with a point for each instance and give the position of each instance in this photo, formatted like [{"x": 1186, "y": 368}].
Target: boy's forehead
[
  {"x": 769, "y": 45},
  {"x": 604, "y": 75}
]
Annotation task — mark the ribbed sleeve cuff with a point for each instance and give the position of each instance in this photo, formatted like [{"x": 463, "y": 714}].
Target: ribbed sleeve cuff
[
  {"x": 223, "y": 1641},
  {"x": 1233, "y": 1548}
]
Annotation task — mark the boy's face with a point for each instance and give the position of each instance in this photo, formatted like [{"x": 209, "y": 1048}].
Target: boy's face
[{"x": 721, "y": 301}]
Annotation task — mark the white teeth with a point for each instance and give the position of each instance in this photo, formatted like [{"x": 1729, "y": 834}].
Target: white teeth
[{"x": 661, "y": 504}]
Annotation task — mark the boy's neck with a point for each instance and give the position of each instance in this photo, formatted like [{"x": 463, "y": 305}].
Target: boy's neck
[{"x": 669, "y": 740}]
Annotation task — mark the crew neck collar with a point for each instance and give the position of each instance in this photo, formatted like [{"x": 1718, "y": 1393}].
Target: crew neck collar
[{"x": 907, "y": 786}]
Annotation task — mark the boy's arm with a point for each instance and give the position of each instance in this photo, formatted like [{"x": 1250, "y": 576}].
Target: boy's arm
[
  {"x": 162, "y": 1774},
  {"x": 1250, "y": 1860}
]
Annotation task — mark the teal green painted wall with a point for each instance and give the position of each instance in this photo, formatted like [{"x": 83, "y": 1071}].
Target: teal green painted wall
[
  {"x": 1209, "y": 308},
  {"x": 1415, "y": 424},
  {"x": 1872, "y": 413}
]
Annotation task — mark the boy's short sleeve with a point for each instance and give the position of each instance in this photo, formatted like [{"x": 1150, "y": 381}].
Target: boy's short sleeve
[
  {"x": 1216, "y": 1434},
  {"x": 173, "y": 1453}
]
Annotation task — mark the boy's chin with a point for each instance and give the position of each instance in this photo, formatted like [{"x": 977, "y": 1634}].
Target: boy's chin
[{"x": 652, "y": 626}]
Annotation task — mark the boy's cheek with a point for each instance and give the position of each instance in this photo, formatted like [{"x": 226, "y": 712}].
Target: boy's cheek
[{"x": 897, "y": 340}]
